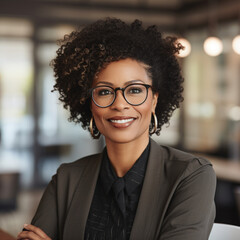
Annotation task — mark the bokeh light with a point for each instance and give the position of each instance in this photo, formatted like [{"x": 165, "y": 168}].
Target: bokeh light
[
  {"x": 213, "y": 46},
  {"x": 236, "y": 44},
  {"x": 187, "y": 47}
]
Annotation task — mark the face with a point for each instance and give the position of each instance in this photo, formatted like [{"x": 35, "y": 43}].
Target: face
[{"x": 122, "y": 122}]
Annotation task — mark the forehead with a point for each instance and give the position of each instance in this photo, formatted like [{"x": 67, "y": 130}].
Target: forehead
[{"x": 123, "y": 72}]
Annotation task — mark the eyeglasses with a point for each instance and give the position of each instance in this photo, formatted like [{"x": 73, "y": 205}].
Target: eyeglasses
[{"x": 134, "y": 94}]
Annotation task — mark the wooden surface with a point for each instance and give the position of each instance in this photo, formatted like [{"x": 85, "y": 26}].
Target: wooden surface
[
  {"x": 5, "y": 236},
  {"x": 226, "y": 169}
]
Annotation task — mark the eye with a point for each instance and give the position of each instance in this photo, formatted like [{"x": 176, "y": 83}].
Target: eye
[
  {"x": 134, "y": 90},
  {"x": 104, "y": 92}
]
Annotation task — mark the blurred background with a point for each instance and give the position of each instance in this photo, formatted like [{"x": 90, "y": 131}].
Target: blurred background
[{"x": 35, "y": 136}]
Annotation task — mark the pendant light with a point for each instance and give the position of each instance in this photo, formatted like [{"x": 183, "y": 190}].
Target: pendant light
[
  {"x": 213, "y": 45},
  {"x": 236, "y": 44},
  {"x": 236, "y": 40},
  {"x": 183, "y": 41},
  {"x": 187, "y": 47}
]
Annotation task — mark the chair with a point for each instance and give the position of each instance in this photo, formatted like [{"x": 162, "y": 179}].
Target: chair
[
  {"x": 224, "y": 232},
  {"x": 237, "y": 197},
  {"x": 9, "y": 186}
]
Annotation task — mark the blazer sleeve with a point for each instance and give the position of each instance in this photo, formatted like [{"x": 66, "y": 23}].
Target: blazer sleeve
[
  {"x": 65, "y": 204},
  {"x": 46, "y": 215},
  {"x": 191, "y": 212}
]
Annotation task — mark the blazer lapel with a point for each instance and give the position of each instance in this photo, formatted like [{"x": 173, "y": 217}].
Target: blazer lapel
[
  {"x": 145, "y": 218},
  {"x": 81, "y": 202},
  {"x": 161, "y": 179}
]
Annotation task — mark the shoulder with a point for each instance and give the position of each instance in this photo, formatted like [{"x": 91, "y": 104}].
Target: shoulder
[
  {"x": 80, "y": 165},
  {"x": 178, "y": 162},
  {"x": 70, "y": 175}
]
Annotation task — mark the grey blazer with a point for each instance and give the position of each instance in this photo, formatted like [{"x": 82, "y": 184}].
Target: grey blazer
[{"x": 176, "y": 202}]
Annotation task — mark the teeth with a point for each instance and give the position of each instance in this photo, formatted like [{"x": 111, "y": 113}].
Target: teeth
[{"x": 122, "y": 120}]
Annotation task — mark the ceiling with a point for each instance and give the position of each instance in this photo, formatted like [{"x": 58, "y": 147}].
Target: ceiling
[{"x": 168, "y": 14}]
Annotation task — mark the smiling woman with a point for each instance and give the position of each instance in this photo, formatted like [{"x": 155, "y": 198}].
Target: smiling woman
[
  {"x": 123, "y": 81},
  {"x": 126, "y": 120}
]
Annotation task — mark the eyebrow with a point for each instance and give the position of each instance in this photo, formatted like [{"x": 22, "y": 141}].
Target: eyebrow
[
  {"x": 105, "y": 83},
  {"x": 126, "y": 83}
]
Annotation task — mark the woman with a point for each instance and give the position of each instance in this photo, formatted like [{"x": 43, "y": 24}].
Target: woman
[{"x": 124, "y": 82}]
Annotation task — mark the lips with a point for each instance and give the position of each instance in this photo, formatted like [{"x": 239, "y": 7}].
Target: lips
[{"x": 121, "y": 122}]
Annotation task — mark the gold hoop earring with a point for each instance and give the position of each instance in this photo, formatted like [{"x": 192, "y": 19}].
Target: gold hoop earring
[
  {"x": 95, "y": 136},
  {"x": 154, "y": 126}
]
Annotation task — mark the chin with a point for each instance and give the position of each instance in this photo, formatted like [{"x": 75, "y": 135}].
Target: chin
[{"x": 126, "y": 137}]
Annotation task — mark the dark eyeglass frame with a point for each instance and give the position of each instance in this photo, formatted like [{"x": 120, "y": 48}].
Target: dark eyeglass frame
[{"x": 147, "y": 86}]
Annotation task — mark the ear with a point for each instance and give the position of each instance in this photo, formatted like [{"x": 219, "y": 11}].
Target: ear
[{"x": 154, "y": 102}]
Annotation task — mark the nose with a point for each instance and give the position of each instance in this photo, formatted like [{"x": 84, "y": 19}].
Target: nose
[{"x": 120, "y": 102}]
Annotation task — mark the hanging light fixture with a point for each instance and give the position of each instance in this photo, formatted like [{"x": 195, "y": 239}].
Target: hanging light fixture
[
  {"x": 213, "y": 46},
  {"x": 236, "y": 40},
  {"x": 183, "y": 41},
  {"x": 236, "y": 44},
  {"x": 187, "y": 47}
]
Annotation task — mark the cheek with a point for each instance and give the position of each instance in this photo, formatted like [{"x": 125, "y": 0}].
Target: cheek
[
  {"x": 96, "y": 111},
  {"x": 145, "y": 111},
  {"x": 98, "y": 114},
  {"x": 148, "y": 108}
]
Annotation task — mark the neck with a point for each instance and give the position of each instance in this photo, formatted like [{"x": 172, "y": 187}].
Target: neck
[{"x": 123, "y": 155}]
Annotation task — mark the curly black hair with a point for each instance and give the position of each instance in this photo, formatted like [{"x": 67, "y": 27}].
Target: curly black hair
[{"x": 83, "y": 54}]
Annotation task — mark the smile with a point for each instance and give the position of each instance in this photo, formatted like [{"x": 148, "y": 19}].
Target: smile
[{"x": 121, "y": 120}]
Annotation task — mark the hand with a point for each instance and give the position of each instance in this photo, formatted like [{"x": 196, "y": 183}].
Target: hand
[{"x": 32, "y": 233}]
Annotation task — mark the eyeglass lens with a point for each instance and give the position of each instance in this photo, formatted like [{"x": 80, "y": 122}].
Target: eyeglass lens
[{"x": 134, "y": 94}]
